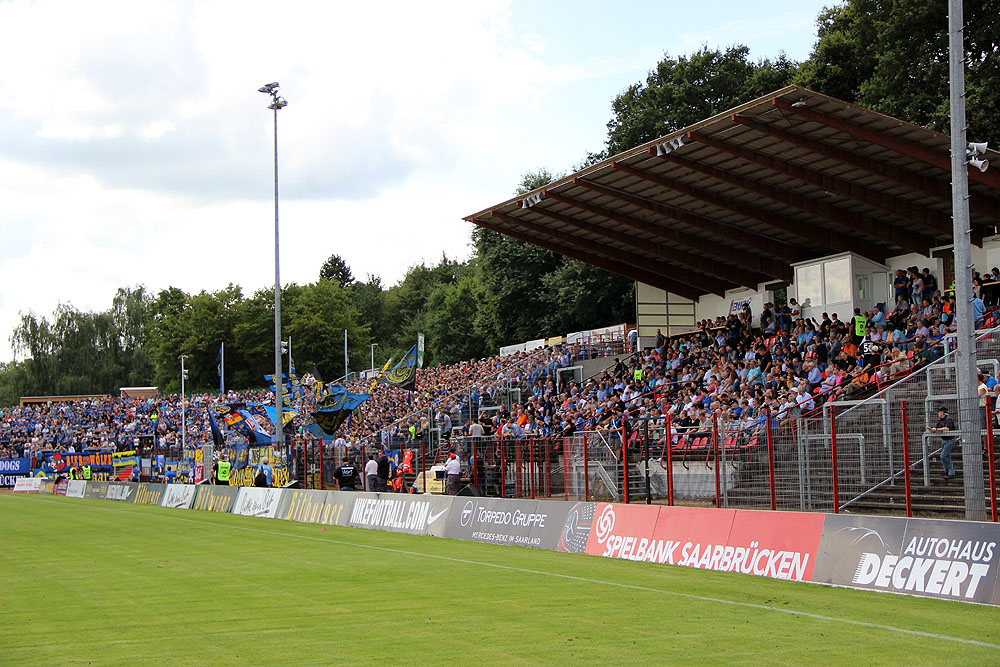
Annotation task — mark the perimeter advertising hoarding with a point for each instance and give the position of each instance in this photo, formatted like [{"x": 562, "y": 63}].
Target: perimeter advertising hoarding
[
  {"x": 528, "y": 523},
  {"x": 150, "y": 494},
  {"x": 76, "y": 488},
  {"x": 399, "y": 513},
  {"x": 28, "y": 485},
  {"x": 254, "y": 501},
  {"x": 315, "y": 506},
  {"x": 121, "y": 492},
  {"x": 96, "y": 490},
  {"x": 178, "y": 496},
  {"x": 215, "y": 498},
  {"x": 780, "y": 545},
  {"x": 956, "y": 560}
]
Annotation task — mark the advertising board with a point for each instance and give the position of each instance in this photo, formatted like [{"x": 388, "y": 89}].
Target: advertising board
[
  {"x": 314, "y": 506},
  {"x": 178, "y": 496},
  {"x": 28, "y": 485},
  {"x": 253, "y": 501},
  {"x": 215, "y": 498},
  {"x": 529, "y": 523},
  {"x": 121, "y": 492},
  {"x": 76, "y": 488},
  {"x": 400, "y": 513},
  {"x": 96, "y": 490},
  {"x": 150, "y": 494},
  {"x": 957, "y": 560}
]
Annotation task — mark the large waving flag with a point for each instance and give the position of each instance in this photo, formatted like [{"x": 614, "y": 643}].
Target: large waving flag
[
  {"x": 403, "y": 374},
  {"x": 378, "y": 375},
  {"x": 337, "y": 407}
]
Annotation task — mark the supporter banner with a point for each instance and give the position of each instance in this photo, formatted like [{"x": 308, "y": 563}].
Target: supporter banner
[
  {"x": 121, "y": 492},
  {"x": 248, "y": 475},
  {"x": 178, "y": 496},
  {"x": 96, "y": 490},
  {"x": 215, "y": 498},
  {"x": 260, "y": 502},
  {"x": 76, "y": 488},
  {"x": 55, "y": 464},
  {"x": 314, "y": 506},
  {"x": 150, "y": 494},
  {"x": 957, "y": 560},
  {"x": 576, "y": 528},
  {"x": 28, "y": 485},
  {"x": 11, "y": 469},
  {"x": 528, "y": 523},
  {"x": 399, "y": 513}
]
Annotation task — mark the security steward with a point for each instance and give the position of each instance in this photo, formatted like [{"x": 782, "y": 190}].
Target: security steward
[
  {"x": 222, "y": 469},
  {"x": 346, "y": 475},
  {"x": 86, "y": 471}
]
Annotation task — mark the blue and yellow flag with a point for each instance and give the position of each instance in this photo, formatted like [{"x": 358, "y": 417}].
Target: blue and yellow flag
[{"x": 403, "y": 374}]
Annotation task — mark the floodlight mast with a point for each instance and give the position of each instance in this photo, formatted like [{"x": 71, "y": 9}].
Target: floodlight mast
[{"x": 277, "y": 102}]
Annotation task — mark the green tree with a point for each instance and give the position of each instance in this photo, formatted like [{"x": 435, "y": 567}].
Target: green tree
[
  {"x": 337, "y": 270},
  {"x": 892, "y": 56},
  {"x": 681, "y": 91}
]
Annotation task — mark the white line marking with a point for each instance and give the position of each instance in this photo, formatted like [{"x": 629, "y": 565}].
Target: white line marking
[{"x": 558, "y": 575}]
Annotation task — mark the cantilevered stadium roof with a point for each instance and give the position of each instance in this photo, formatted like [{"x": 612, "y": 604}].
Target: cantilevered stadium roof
[{"x": 737, "y": 198}]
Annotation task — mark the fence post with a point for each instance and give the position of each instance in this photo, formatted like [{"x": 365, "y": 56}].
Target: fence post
[
  {"x": 991, "y": 466},
  {"x": 565, "y": 455},
  {"x": 833, "y": 455},
  {"x": 547, "y": 443},
  {"x": 715, "y": 456},
  {"x": 364, "y": 460},
  {"x": 322, "y": 479},
  {"x": 670, "y": 464},
  {"x": 769, "y": 425},
  {"x": 423, "y": 463},
  {"x": 586, "y": 469},
  {"x": 518, "y": 468},
  {"x": 906, "y": 460},
  {"x": 624, "y": 461},
  {"x": 503, "y": 468},
  {"x": 531, "y": 466},
  {"x": 645, "y": 458}
]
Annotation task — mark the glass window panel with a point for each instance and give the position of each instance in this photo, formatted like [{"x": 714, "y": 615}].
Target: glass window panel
[
  {"x": 808, "y": 285},
  {"x": 837, "y": 279},
  {"x": 861, "y": 284}
]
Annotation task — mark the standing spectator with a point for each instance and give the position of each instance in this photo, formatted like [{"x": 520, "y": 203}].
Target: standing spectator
[
  {"x": 264, "y": 475},
  {"x": 346, "y": 475},
  {"x": 382, "y": 472},
  {"x": 371, "y": 473},
  {"x": 221, "y": 470},
  {"x": 945, "y": 424},
  {"x": 453, "y": 471},
  {"x": 901, "y": 286},
  {"x": 859, "y": 326}
]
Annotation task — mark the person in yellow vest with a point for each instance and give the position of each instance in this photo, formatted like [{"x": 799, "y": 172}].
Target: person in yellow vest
[
  {"x": 72, "y": 473},
  {"x": 222, "y": 470},
  {"x": 860, "y": 326},
  {"x": 637, "y": 375},
  {"x": 86, "y": 471}
]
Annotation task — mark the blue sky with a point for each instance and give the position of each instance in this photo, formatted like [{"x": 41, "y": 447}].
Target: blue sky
[{"x": 135, "y": 149}]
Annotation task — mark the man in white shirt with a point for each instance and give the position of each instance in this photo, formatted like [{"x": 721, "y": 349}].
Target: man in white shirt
[
  {"x": 452, "y": 470},
  {"x": 371, "y": 473}
]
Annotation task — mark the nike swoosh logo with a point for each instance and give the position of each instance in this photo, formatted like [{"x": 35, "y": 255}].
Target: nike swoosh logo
[{"x": 434, "y": 517}]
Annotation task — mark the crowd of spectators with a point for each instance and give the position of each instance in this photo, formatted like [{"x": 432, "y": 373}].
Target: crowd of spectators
[{"x": 738, "y": 368}]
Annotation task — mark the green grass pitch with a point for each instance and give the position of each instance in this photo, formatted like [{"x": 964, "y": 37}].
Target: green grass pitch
[{"x": 88, "y": 581}]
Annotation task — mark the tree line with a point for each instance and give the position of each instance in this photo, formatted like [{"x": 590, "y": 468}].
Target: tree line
[{"x": 887, "y": 55}]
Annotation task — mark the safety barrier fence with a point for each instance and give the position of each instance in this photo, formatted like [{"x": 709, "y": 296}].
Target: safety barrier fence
[{"x": 955, "y": 560}]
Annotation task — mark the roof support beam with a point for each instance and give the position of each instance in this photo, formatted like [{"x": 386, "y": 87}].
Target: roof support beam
[
  {"x": 912, "y": 213},
  {"x": 697, "y": 263},
  {"x": 926, "y": 184},
  {"x": 938, "y": 159},
  {"x": 910, "y": 240},
  {"x": 769, "y": 247},
  {"x": 627, "y": 270}
]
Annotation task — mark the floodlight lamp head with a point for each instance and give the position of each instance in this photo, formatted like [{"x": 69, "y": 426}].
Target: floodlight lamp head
[
  {"x": 978, "y": 147},
  {"x": 269, "y": 88},
  {"x": 278, "y": 103},
  {"x": 981, "y": 165},
  {"x": 801, "y": 102}
]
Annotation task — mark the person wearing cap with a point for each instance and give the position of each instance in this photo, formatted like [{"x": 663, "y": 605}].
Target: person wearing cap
[
  {"x": 453, "y": 471},
  {"x": 346, "y": 475},
  {"x": 945, "y": 424}
]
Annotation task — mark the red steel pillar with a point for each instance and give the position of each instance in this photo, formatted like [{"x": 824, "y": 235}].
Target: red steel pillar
[
  {"x": 833, "y": 458},
  {"x": 906, "y": 460}
]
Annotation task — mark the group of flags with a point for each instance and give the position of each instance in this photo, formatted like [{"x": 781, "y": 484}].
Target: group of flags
[{"x": 335, "y": 403}]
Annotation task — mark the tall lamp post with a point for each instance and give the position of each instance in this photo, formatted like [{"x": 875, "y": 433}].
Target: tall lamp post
[
  {"x": 277, "y": 102},
  {"x": 374, "y": 345},
  {"x": 184, "y": 375}
]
